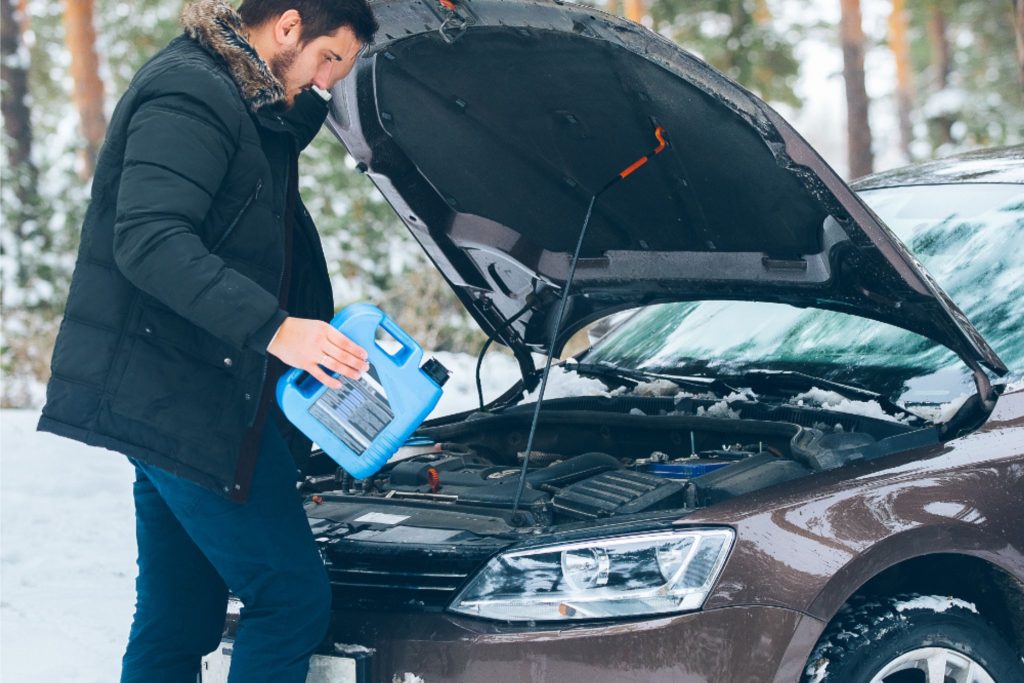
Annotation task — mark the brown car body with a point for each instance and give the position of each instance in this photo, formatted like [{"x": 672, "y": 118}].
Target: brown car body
[{"x": 802, "y": 550}]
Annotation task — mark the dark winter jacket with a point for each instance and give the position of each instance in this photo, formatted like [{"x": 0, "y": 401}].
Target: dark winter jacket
[{"x": 177, "y": 289}]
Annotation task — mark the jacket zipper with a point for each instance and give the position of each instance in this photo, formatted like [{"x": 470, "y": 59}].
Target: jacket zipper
[
  {"x": 238, "y": 217},
  {"x": 266, "y": 361}
]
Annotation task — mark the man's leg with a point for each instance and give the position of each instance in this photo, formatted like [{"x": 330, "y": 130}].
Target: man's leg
[
  {"x": 180, "y": 598},
  {"x": 264, "y": 551}
]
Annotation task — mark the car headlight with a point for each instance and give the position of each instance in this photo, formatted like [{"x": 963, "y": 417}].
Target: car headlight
[{"x": 640, "y": 575}]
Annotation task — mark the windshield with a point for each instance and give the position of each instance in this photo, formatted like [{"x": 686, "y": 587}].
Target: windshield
[{"x": 967, "y": 236}]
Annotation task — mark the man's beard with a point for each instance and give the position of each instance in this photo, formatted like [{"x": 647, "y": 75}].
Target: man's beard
[{"x": 280, "y": 65}]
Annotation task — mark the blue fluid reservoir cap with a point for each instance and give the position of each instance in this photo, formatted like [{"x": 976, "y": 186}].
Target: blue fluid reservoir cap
[{"x": 690, "y": 470}]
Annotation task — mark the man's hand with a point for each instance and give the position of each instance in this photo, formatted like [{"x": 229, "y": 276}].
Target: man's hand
[{"x": 309, "y": 344}]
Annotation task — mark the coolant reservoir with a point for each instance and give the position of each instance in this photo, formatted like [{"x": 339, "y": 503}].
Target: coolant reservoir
[{"x": 364, "y": 422}]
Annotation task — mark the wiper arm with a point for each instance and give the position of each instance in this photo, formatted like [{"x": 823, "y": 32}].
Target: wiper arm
[
  {"x": 628, "y": 375},
  {"x": 634, "y": 377},
  {"x": 759, "y": 380}
]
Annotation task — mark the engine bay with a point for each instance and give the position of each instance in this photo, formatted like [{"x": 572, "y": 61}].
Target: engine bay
[
  {"x": 596, "y": 458},
  {"x": 408, "y": 537}
]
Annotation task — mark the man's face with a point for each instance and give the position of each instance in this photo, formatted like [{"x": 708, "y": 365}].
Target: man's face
[{"x": 321, "y": 62}]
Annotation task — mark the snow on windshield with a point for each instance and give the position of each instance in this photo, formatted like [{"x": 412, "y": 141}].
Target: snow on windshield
[
  {"x": 965, "y": 236},
  {"x": 968, "y": 237},
  {"x": 723, "y": 337}
]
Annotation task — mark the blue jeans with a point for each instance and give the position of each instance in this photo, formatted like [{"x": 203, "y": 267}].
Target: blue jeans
[{"x": 194, "y": 545}]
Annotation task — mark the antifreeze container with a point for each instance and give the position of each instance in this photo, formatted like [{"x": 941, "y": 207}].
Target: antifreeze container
[{"x": 363, "y": 423}]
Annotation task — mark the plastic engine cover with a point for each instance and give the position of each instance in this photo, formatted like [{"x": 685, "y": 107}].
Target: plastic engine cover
[{"x": 618, "y": 492}]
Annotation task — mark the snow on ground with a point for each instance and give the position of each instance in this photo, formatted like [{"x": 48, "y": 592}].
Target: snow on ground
[
  {"x": 67, "y": 541},
  {"x": 67, "y": 556}
]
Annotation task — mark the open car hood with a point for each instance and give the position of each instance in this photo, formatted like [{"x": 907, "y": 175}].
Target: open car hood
[{"x": 489, "y": 124}]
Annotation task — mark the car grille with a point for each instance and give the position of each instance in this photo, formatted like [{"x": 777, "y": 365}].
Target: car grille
[{"x": 367, "y": 576}]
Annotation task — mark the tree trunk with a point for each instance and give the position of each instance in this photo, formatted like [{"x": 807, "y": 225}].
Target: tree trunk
[
  {"x": 1018, "y": 24},
  {"x": 635, "y": 10},
  {"x": 904, "y": 81},
  {"x": 762, "y": 13},
  {"x": 81, "y": 42},
  {"x": 20, "y": 173},
  {"x": 24, "y": 20},
  {"x": 939, "y": 46},
  {"x": 941, "y": 57},
  {"x": 851, "y": 34}
]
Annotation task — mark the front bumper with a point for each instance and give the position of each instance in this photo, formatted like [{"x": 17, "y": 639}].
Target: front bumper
[{"x": 727, "y": 644}]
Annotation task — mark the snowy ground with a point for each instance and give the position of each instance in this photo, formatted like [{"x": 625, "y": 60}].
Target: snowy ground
[{"x": 67, "y": 542}]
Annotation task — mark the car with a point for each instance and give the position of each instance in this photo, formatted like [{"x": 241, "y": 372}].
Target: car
[{"x": 787, "y": 454}]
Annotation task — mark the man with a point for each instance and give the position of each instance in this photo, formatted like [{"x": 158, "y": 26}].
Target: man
[{"x": 199, "y": 280}]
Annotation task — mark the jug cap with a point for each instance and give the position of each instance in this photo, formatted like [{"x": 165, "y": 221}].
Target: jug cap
[{"x": 435, "y": 371}]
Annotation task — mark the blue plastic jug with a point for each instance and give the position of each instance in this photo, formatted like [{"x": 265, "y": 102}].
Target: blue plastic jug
[{"x": 363, "y": 423}]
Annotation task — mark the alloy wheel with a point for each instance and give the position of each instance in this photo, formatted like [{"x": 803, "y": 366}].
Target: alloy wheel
[{"x": 939, "y": 665}]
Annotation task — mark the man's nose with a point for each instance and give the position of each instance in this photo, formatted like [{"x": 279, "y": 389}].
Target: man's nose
[
  {"x": 324, "y": 75},
  {"x": 330, "y": 73}
]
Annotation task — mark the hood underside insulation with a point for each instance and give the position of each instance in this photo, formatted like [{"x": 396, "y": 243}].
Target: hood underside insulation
[{"x": 527, "y": 156}]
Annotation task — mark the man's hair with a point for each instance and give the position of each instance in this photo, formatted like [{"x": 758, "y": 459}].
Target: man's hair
[{"x": 319, "y": 17}]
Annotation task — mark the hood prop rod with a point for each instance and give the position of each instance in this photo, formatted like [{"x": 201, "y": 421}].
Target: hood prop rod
[{"x": 659, "y": 133}]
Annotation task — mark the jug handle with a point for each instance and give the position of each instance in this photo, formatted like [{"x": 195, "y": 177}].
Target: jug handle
[
  {"x": 308, "y": 386},
  {"x": 410, "y": 349}
]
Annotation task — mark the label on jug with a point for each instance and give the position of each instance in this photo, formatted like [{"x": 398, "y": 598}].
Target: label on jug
[{"x": 356, "y": 413}]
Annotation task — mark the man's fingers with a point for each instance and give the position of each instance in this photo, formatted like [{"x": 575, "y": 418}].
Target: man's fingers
[
  {"x": 353, "y": 360},
  {"x": 350, "y": 372},
  {"x": 345, "y": 345},
  {"x": 344, "y": 362},
  {"x": 355, "y": 363},
  {"x": 324, "y": 378}
]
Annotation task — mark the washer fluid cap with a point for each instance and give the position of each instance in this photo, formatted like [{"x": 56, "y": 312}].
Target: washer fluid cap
[{"x": 435, "y": 371}]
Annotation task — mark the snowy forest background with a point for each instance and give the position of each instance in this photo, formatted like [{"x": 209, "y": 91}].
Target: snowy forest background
[{"x": 872, "y": 84}]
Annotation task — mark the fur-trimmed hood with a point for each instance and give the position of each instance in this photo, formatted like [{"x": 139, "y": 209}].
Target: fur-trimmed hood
[{"x": 218, "y": 28}]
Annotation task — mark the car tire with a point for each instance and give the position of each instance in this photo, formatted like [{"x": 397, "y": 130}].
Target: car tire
[{"x": 898, "y": 639}]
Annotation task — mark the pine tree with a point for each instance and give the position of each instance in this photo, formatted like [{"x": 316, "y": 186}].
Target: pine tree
[
  {"x": 20, "y": 176},
  {"x": 858, "y": 129},
  {"x": 738, "y": 38},
  {"x": 968, "y": 73},
  {"x": 80, "y": 36},
  {"x": 1018, "y": 26},
  {"x": 904, "y": 77}
]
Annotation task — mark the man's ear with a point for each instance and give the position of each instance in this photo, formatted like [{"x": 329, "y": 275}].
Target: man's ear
[{"x": 288, "y": 28}]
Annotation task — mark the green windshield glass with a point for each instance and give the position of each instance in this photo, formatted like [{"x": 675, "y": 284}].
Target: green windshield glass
[{"x": 967, "y": 236}]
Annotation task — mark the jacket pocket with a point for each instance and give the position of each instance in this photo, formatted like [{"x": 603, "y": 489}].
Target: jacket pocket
[
  {"x": 253, "y": 196},
  {"x": 162, "y": 327},
  {"x": 176, "y": 395}
]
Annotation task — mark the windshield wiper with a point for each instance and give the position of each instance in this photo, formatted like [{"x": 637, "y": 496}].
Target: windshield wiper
[
  {"x": 634, "y": 377},
  {"x": 764, "y": 381},
  {"x": 760, "y": 381}
]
